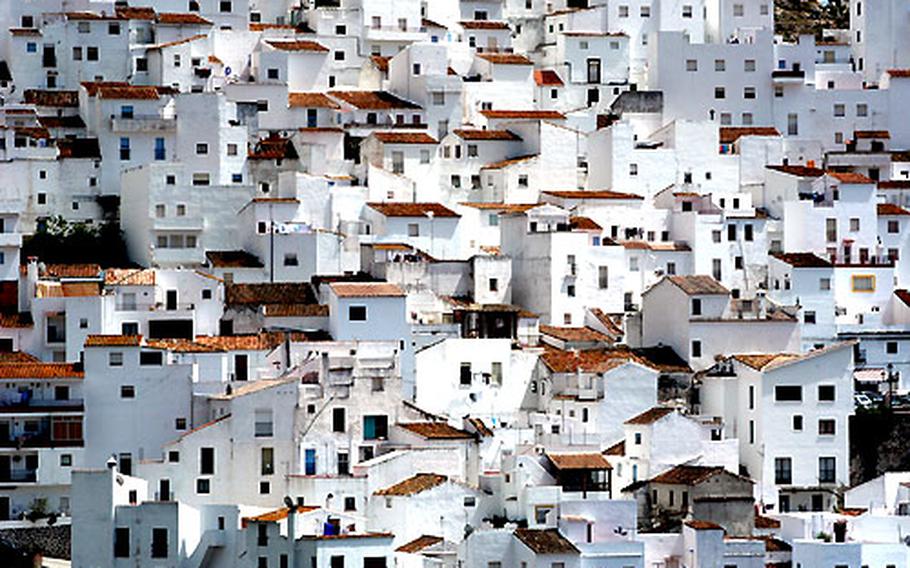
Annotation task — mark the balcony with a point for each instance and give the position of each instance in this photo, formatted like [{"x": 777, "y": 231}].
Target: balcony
[
  {"x": 788, "y": 75},
  {"x": 142, "y": 123},
  {"x": 19, "y": 476},
  {"x": 40, "y": 440},
  {"x": 10, "y": 240},
  {"x": 39, "y": 406}
]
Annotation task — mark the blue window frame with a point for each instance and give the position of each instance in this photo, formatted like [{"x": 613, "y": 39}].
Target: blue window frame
[{"x": 159, "y": 148}]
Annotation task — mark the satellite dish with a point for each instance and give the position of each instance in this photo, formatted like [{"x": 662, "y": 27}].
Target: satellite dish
[{"x": 227, "y": 71}]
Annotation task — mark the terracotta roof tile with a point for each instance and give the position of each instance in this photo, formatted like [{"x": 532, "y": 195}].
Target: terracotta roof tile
[
  {"x": 545, "y": 541},
  {"x": 381, "y": 63},
  {"x": 508, "y": 162},
  {"x": 698, "y": 285},
  {"x": 86, "y": 270},
  {"x": 478, "y": 134},
  {"x": 573, "y": 334},
  {"x": 577, "y": 223},
  {"x": 181, "y": 18},
  {"x": 592, "y": 194},
  {"x": 687, "y": 474},
  {"x": 759, "y": 361},
  {"x": 298, "y": 45},
  {"x": 662, "y": 358},
  {"x": 505, "y": 207},
  {"x": 617, "y": 449},
  {"x": 405, "y": 209},
  {"x": 506, "y": 58},
  {"x": 280, "y": 514},
  {"x": 373, "y": 100},
  {"x": 232, "y": 259},
  {"x": 419, "y": 544},
  {"x": 32, "y": 370},
  {"x": 366, "y": 290},
  {"x": 703, "y": 525},
  {"x": 435, "y": 430},
  {"x": 431, "y": 24},
  {"x": 129, "y": 277},
  {"x": 68, "y": 121},
  {"x": 763, "y": 522},
  {"x": 80, "y": 289},
  {"x": 90, "y": 16},
  {"x": 19, "y": 320},
  {"x": 40, "y": 97},
  {"x": 18, "y": 357},
  {"x": 730, "y": 134},
  {"x": 903, "y": 295},
  {"x": 850, "y": 177},
  {"x": 483, "y": 25},
  {"x": 295, "y": 310},
  {"x": 413, "y": 485},
  {"x": 802, "y": 259},
  {"x": 405, "y": 138},
  {"x": 867, "y": 134},
  {"x": 524, "y": 114},
  {"x": 586, "y": 361},
  {"x": 274, "y": 147},
  {"x": 890, "y": 209},
  {"x": 113, "y": 341},
  {"x": 547, "y": 78},
  {"x": 578, "y": 460},
  {"x": 800, "y": 171},
  {"x": 124, "y": 92},
  {"x": 900, "y": 73},
  {"x": 267, "y": 293},
  {"x": 651, "y": 415},
  {"x": 894, "y": 184},
  {"x": 311, "y": 100},
  {"x": 181, "y": 41},
  {"x": 135, "y": 12}
]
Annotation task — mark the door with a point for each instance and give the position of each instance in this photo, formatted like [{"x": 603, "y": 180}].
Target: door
[
  {"x": 593, "y": 70},
  {"x": 4, "y": 509},
  {"x": 171, "y": 300},
  {"x": 164, "y": 490},
  {"x": 5, "y": 465},
  {"x": 311, "y": 118},
  {"x": 240, "y": 368},
  {"x": 817, "y": 502},
  {"x": 309, "y": 458}
]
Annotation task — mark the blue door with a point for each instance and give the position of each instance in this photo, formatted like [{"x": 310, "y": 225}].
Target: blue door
[{"x": 310, "y": 462}]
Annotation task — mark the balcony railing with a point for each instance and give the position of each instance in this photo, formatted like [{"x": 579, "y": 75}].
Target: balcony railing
[
  {"x": 142, "y": 123},
  {"x": 19, "y": 476}
]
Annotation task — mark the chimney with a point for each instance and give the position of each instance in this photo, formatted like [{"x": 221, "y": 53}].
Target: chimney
[{"x": 31, "y": 284}]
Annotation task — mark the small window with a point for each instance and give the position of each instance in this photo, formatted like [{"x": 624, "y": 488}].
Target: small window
[
  {"x": 720, "y": 65},
  {"x": 180, "y": 424},
  {"x": 413, "y": 230},
  {"x": 127, "y": 391},
  {"x": 691, "y": 65},
  {"x": 798, "y": 422},
  {"x": 115, "y": 359},
  {"x": 696, "y": 348},
  {"x": 826, "y": 427},
  {"x": 749, "y": 65},
  {"x": 203, "y": 486},
  {"x": 826, "y": 393},
  {"x": 720, "y": 93},
  {"x": 357, "y": 313},
  {"x": 863, "y": 283},
  {"x": 787, "y": 393},
  {"x": 290, "y": 259}
]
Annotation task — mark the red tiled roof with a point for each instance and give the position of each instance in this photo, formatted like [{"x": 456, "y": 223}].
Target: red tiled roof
[
  {"x": 295, "y": 310},
  {"x": 479, "y": 134},
  {"x": 586, "y": 361},
  {"x": 903, "y": 295},
  {"x": 483, "y": 25},
  {"x": 180, "y": 18},
  {"x": 405, "y": 138},
  {"x": 578, "y": 460},
  {"x": 413, "y": 485},
  {"x": 269, "y": 293},
  {"x": 404, "y": 209},
  {"x": 129, "y": 277},
  {"x": 508, "y": 162},
  {"x": 572, "y": 334},
  {"x": 651, "y": 415},
  {"x": 598, "y": 194},
  {"x": 90, "y": 16},
  {"x": 135, "y": 92},
  {"x": 524, "y": 114},
  {"x": 419, "y": 544},
  {"x": 431, "y": 24},
  {"x": 280, "y": 514},
  {"x": 850, "y": 177},
  {"x": 547, "y": 78},
  {"x": 503, "y": 207},
  {"x": 730, "y": 134},
  {"x": 759, "y": 361},
  {"x": 32, "y": 370},
  {"x": 373, "y": 100},
  {"x": 366, "y": 290},
  {"x": 890, "y": 209},
  {"x": 298, "y": 45},
  {"x": 800, "y": 171},
  {"x": 381, "y": 63},
  {"x": 763, "y": 522},
  {"x": 617, "y": 449},
  {"x": 584, "y": 224},
  {"x": 698, "y": 285},
  {"x": 802, "y": 259},
  {"x": 867, "y": 134},
  {"x": 703, "y": 525},
  {"x": 274, "y": 147},
  {"x": 311, "y": 100},
  {"x": 40, "y": 97},
  {"x": 113, "y": 341},
  {"x": 545, "y": 541},
  {"x": 435, "y": 430},
  {"x": 505, "y": 58},
  {"x": 687, "y": 474},
  {"x": 232, "y": 259},
  {"x": 894, "y": 184},
  {"x": 135, "y": 13},
  {"x": 902, "y": 73}
]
